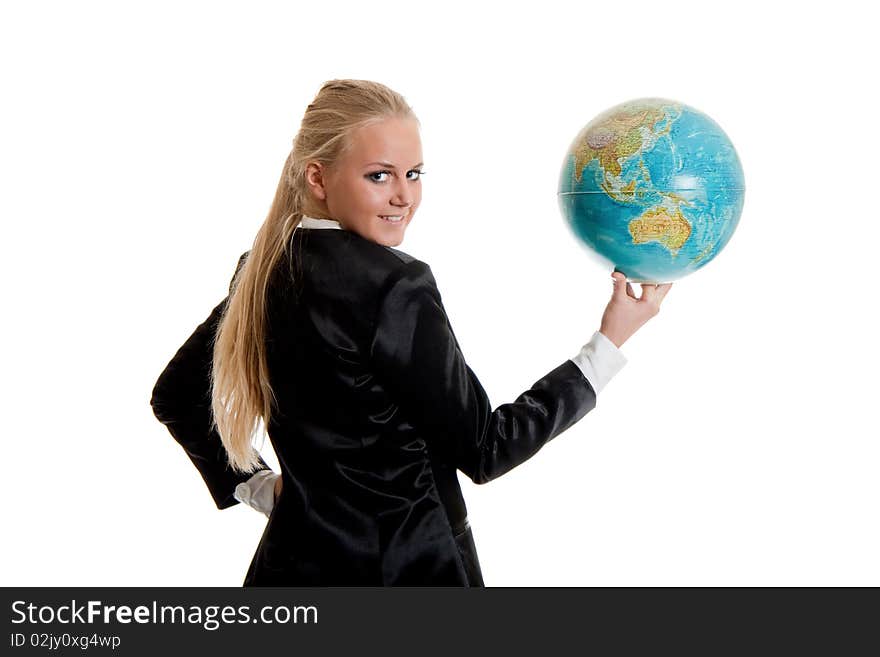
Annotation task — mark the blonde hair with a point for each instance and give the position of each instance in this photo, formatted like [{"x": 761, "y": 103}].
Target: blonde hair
[{"x": 241, "y": 393}]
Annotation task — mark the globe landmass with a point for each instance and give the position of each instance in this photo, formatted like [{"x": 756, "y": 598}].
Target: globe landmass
[{"x": 653, "y": 187}]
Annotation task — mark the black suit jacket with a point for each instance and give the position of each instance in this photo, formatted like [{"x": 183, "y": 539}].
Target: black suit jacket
[{"x": 377, "y": 410}]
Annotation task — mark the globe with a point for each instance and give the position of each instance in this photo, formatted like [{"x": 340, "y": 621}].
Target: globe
[{"x": 653, "y": 187}]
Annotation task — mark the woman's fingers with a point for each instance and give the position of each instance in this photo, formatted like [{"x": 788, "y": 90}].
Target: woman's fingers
[
  {"x": 648, "y": 290},
  {"x": 662, "y": 290},
  {"x": 655, "y": 292},
  {"x": 618, "y": 279}
]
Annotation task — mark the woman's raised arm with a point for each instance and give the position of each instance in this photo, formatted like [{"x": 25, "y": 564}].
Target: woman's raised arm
[{"x": 417, "y": 356}]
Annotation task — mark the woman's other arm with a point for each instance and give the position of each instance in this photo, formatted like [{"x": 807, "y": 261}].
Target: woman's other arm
[{"x": 181, "y": 400}]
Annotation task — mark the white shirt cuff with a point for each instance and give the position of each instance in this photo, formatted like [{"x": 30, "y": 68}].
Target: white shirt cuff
[
  {"x": 258, "y": 492},
  {"x": 599, "y": 360}
]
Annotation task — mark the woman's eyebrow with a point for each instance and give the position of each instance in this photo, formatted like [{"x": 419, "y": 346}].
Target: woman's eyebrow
[{"x": 391, "y": 166}]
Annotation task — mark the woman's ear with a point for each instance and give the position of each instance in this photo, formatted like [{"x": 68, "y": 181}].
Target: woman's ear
[{"x": 315, "y": 173}]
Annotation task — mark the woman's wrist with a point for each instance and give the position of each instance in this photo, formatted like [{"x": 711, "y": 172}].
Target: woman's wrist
[{"x": 612, "y": 336}]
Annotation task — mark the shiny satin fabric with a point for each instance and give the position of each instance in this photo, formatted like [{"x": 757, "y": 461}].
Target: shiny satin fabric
[{"x": 377, "y": 412}]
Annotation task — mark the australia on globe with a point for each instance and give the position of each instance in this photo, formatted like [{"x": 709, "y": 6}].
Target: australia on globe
[{"x": 653, "y": 187}]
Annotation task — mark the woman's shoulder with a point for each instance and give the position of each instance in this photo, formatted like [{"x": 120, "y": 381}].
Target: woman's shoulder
[
  {"x": 339, "y": 258},
  {"x": 404, "y": 257},
  {"x": 380, "y": 255}
]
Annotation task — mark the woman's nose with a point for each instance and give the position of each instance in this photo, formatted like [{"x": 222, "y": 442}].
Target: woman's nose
[{"x": 403, "y": 195}]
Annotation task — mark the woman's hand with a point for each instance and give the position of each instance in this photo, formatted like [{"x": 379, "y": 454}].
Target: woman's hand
[
  {"x": 260, "y": 491},
  {"x": 626, "y": 313}
]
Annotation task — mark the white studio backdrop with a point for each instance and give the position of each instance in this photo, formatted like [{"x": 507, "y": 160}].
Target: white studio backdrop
[{"x": 142, "y": 143}]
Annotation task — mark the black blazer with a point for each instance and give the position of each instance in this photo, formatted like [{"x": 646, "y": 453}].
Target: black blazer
[{"x": 377, "y": 410}]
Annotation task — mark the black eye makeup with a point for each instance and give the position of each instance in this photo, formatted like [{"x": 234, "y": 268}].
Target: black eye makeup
[{"x": 369, "y": 176}]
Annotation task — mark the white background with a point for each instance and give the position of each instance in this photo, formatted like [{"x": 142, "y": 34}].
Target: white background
[{"x": 141, "y": 147}]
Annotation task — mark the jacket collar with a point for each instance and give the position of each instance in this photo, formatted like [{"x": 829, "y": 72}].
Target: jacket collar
[{"x": 312, "y": 222}]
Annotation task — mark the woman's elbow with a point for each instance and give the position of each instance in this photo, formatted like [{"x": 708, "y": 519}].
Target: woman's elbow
[
  {"x": 167, "y": 399},
  {"x": 161, "y": 404}
]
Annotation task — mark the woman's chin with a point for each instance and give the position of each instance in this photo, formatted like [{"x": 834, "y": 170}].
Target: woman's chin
[
  {"x": 391, "y": 241},
  {"x": 390, "y": 234}
]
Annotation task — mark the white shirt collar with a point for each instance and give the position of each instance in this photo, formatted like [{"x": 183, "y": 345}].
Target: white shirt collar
[{"x": 312, "y": 222}]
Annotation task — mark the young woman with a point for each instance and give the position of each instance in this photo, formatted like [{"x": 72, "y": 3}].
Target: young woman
[{"x": 340, "y": 344}]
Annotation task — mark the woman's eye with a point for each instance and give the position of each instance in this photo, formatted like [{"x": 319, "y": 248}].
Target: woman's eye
[{"x": 418, "y": 175}]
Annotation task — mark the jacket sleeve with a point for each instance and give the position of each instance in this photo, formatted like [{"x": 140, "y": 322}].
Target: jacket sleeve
[
  {"x": 181, "y": 400},
  {"x": 416, "y": 355}
]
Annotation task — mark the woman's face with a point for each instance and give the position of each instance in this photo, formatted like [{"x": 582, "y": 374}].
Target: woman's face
[{"x": 377, "y": 178}]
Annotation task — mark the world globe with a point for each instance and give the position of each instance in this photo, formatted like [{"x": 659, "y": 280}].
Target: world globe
[{"x": 653, "y": 187}]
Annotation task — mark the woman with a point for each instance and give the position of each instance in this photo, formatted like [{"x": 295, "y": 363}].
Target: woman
[{"x": 340, "y": 344}]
